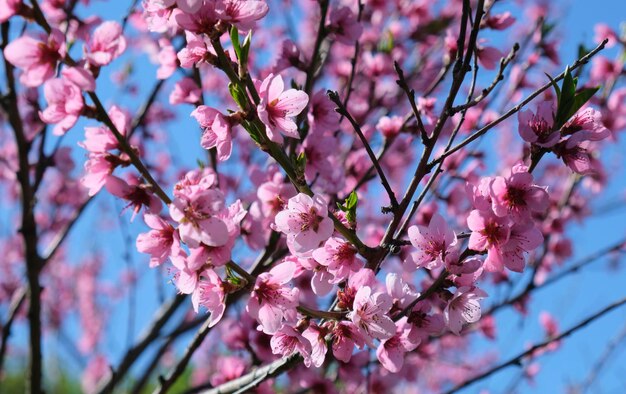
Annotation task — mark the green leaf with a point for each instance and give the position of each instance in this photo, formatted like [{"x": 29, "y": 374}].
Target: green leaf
[
  {"x": 352, "y": 200},
  {"x": 237, "y": 95},
  {"x": 568, "y": 93},
  {"x": 301, "y": 163},
  {"x": 245, "y": 49},
  {"x": 556, "y": 88},
  {"x": 234, "y": 38},
  {"x": 580, "y": 99}
]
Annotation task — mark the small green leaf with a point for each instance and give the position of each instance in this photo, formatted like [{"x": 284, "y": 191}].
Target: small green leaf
[
  {"x": 352, "y": 200},
  {"x": 234, "y": 38},
  {"x": 568, "y": 93},
  {"x": 556, "y": 88},
  {"x": 237, "y": 95},
  {"x": 245, "y": 49},
  {"x": 580, "y": 99}
]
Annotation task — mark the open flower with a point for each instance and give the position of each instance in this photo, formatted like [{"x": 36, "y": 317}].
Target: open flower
[
  {"x": 272, "y": 301},
  {"x": 369, "y": 315},
  {"x": 306, "y": 223},
  {"x": 216, "y": 130},
  {"x": 278, "y": 107},
  {"x": 463, "y": 308},
  {"x": 106, "y": 44},
  {"x": 434, "y": 243}
]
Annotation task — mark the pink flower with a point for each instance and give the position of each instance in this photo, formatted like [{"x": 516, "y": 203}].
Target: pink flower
[
  {"x": 278, "y": 106},
  {"x": 197, "y": 214},
  {"x": 538, "y": 128},
  {"x": 340, "y": 257},
  {"x": 288, "y": 341},
  {"x": 241, "y": 13},
  {"x": 230, "y": 367},
  {"x": 98, "y": 167},
  {"x": 315, "y": 335},
  {"x": 216, "y": 130},
  {"x": 305, "y": 221},
  {"x": 369, "y": 315},
  {"x": 8, "y": 8},
  {"x": 575, "y": 153},
  {"x": 391, "y": 351},
  {"x": 271, "y": 301},
  {"x": 274, "y": 195},
  {"x": 137, "y": 194},
  {"x": 390, "y": 126},
  {"x": 200, "y": 21},
  {"x": 189, "y": 6},
  {"x": 185, "y": 91},
  {"x": 210, "y": 294},
  {"x": 524, "y": 238},
  {"x": 602, "y": 31},
  {"x": 463, "y": 308},
  {"x": 168, "y": 61},
  {"x": 434, "y": 243},
  {"x": 587, "y": 122},
  {"x": 401, "y": 293},
  {"x": 345, "y": 25},
  {"x": 37, "y": 59},
  {"x": 194, "y": 52},
  {"x": 499, "y": 21},
  {"x": 100, "y": 138},
  {"x": 345, "y": 336},
  {"x": 489, "y": 232},
  {"x": 489, "y": 57},
  {"x": 65, "y": 103},
  {"x": 80, "y": 77},
  {"x": 161, "y": 242},
  {"x": 517, "y": 195},
  {"x": 106, "y": 44}
]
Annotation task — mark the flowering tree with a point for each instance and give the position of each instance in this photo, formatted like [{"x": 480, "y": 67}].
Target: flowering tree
[{"x": 364, "y": 186}]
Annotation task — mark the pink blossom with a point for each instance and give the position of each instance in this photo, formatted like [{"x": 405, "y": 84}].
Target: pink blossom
[
  {"x": 588, "y": 123},
  {"x": 488, "y": 56},
  {"x": 8, "y": 8},
  {"x": 524, "y": 238},
  {"x": 216, "y": 130},
  {"x": 603, "y": 31},
  {"x": 195, "y": 52},
  {"x": 288, "y": 341},
  {"x": 274, "y": 195},
  {"x": 345, "y": 336},
  {"x": 463, "y": 308},
  {"x": 434, "y": 243},
  {"x": 390, "y": 126},
  {"x": 106, "y": 44},
  {"x": 391, "y": 351},
  {"x": 101, "y": 139},
  {"x": 278, "y": 106},
  {"x": 499, "y": 21},
  {"x": 137, "y": 194},
  {"x": 186, "y": 91},
  {"x": 37, "y": 59},
  {"x": 210, "y": 295},
  {"x": 315, "y": 335},
  {"x": 65, "y": 103},
  {"x": 189, "y": 6},
  {"x": 160, "y": 242},
  {"x": 490, "y": 233},
  {"x": 517, "y": 195},
  {"x": 168, "y": 61},
  {"x": 369, "y": 315},
  {"x": 345, "y": 26},
  {"x": 340, "y": 257},
  {"x": 98, "y": 167},
  {"x": 80, "y": 77},
  {"x": 271, "y": 301},
  {"x": 200, "y": 21},
  {"x": 305, "y": 221},
  {"x": 538, "y": 128},
  {"x": 401, "y": 293},
  {"x": 230, "y": 367},
  {"x": 197, "y": 214},
  {"x": 241, "y": 13},
  {"x": 576, "y": 154}
]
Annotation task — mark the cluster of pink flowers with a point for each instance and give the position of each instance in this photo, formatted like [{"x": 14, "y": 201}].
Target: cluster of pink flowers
[{"x": 282, "y": 232}]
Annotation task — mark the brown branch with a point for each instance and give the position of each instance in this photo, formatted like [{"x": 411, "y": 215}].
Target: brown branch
[
  {"x": 341, "y": 109},
  {"x": 517, "y": 360},
  {"x": 518, "y": 107},
  {"x": 28, "y": 225}
]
